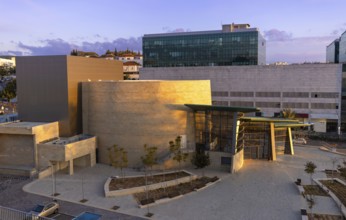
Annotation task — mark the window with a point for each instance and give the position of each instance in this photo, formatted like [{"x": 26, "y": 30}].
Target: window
[{"x": 226, "y": 160}]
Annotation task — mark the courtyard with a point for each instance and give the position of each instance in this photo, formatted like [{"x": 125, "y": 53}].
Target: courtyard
[{"x": 260, "y": 190}]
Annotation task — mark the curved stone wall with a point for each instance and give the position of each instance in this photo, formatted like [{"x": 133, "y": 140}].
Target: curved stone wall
[{"x": 133, "y": 113}]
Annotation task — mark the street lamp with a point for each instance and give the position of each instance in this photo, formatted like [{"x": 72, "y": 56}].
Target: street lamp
[{"x": 54, "y": 180}]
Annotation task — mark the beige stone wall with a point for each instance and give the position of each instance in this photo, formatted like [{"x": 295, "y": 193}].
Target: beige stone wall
[
  {"x": 17, "y": 150},
  {"x": 46, "y": 131},
  {"x": 55, "y": 152},
  {"x": 133, "y": 113},
  {"x": 215, "y": 160}
]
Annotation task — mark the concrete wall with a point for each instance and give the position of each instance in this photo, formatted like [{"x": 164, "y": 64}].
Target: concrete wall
[
  {"x": 17, "y": 150},
  {"x": 215, "y": 160},
  {"x": 18, "y": 143},
  {"x": 69, "y": 151},
  {"x": 237, "y": 161},
  {"x": 48, "y": 87},
  {"x": 308, "y": 78},
  {"x": 133, "y": 113}
]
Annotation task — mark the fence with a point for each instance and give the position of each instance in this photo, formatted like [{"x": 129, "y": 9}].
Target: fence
[{"x": 12, "y": 214}]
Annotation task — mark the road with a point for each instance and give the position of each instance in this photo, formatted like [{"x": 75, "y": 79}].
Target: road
[{"x": 12, "y": 195}]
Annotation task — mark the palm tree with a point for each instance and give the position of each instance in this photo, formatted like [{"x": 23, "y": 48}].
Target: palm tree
[{"x": 287, "y": 113}]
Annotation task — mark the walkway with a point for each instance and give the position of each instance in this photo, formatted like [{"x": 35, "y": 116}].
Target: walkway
[{"x": 261, "y": 190}]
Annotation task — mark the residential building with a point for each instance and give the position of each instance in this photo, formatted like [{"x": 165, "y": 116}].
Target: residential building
[
  {"x": 333, "y": 52},
  {"x": 49, "y": 87},
  {"x": 131, "y": 70},
  {"x": 8, "y": 61},
  {"x": 235, "y": 44},
  {"x": 313, "y": 91}
]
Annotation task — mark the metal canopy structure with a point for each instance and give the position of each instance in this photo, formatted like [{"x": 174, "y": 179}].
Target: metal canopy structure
[
  {"x": 265, "y": 137},
  {"x": 222, "y": 108},
  {"x": 224, "y": 132}
]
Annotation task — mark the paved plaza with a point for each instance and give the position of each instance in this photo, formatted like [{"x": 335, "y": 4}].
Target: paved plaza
[{"x": 260, "y": 190}]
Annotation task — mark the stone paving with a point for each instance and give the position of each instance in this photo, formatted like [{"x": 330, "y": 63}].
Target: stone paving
[{"x": 260, "y": 190}]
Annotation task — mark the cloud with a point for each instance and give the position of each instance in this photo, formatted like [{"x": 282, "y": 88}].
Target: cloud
[
  {"x": 176, "y": 30},
  {"x": 12, "y": 53},
  {"x": 277, "y": 35},
  {"x": 51, "y": 47},
  {"x": 61, "y": 47},
  {"x": 299, "y": 50}
]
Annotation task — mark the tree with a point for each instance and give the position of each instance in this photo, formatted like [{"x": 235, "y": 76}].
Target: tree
[
  {"x": 10, "y": 91},
  {"x": 74, "y": 53},
  {"x": 148, "y": 160},
  {"x": 310, "y": 169},
  {"x": 118, "y": 158},
  {"x": 200, "y": 159},
  {"x": 287, "y": 113},
  {"x": 175, "y": 149}
]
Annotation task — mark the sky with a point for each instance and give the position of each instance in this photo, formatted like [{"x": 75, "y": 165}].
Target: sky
[{"x": 296, "y": 30}]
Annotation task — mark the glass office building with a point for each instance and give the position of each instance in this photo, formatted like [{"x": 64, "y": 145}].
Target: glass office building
[
  {"x": 342, "y": 48},
  {"x": 235, "y": 44},
  {"x": 333, "y": 52}
]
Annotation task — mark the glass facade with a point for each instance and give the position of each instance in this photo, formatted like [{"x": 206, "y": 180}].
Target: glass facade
[
  {"x": 343, "y": 100},
  {"x": 342, "y": 48},
  {"x": 333, "y": 52},
  {"x": 214, "y": 131},
  {"x": 215, "y": 48}
]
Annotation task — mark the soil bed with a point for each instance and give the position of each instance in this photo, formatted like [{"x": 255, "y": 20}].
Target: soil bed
[
  {"x": 324, "y": 217},
  {"x": 337, "y": 188},
  {"x": 173, "y": 191},
  {"x": 314, "y": 190},
  {"x": 131, "y": 182}
]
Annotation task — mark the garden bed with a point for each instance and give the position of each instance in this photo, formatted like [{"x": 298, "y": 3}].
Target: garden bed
[
  {"x": 116, "y": 186},
  {"x": 135, "y": 181},
  {"x": 173, "y": 191},
  {"x": 337, "y": 188},
  {"x": 324, "y": 217},
  {"x": 314, "y": 190}
]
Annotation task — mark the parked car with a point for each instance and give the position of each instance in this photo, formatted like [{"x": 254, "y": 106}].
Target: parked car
[
  {"x": 299, "y": 141},
  {"x": 45, "y": 210}
]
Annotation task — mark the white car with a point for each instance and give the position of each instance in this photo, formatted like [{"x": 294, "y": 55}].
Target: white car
[
  {"x": 45, "y": 210},
  {"x": 299, "y": 141}
]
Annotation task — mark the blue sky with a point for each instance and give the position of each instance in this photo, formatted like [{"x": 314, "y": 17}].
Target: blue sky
[{"x": 296, "y": 30}]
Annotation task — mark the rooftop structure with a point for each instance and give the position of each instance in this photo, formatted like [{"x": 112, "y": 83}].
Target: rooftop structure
[
  {"x": 49, "y": 87},
  {"x": 235, "y": 44}
]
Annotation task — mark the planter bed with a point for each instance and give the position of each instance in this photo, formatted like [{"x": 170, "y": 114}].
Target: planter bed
[
  {"x": 337, "y": 188},
  {"x": 175, "y": 191},
  {"x": 314, "y": 190},
  {"x": 116, "y": 186}
]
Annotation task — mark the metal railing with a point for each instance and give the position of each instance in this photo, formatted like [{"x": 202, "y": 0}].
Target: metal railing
[{"x": 13, "y": 214}]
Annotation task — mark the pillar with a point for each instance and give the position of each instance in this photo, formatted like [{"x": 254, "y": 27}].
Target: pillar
[{"x": 272, "y": 141}]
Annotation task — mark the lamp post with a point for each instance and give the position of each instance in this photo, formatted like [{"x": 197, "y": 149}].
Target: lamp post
[{"x": 53, "y": 180}]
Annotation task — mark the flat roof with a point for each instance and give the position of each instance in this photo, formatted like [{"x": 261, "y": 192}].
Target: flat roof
[
  {"x": 278, "y": 122},
  {"x": 199, "y": 32},
  {"x": 265, "y": 119},
  {"x": 18, "y": 124},
  {"x": 284, "y": 125},
  {"x": 222, "y": 108}
]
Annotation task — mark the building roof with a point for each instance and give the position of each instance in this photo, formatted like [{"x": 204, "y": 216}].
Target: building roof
[
  {"x": 278, "y": 122},
  {"x": 131, "y": 63},
  {"x": 198, "y": 33},
  {"x": 265, "y": 119},
  {"x": 222, "y": 108}
]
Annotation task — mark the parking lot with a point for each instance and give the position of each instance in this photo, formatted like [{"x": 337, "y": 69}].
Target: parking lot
[{"x": 60, "y": 216}]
